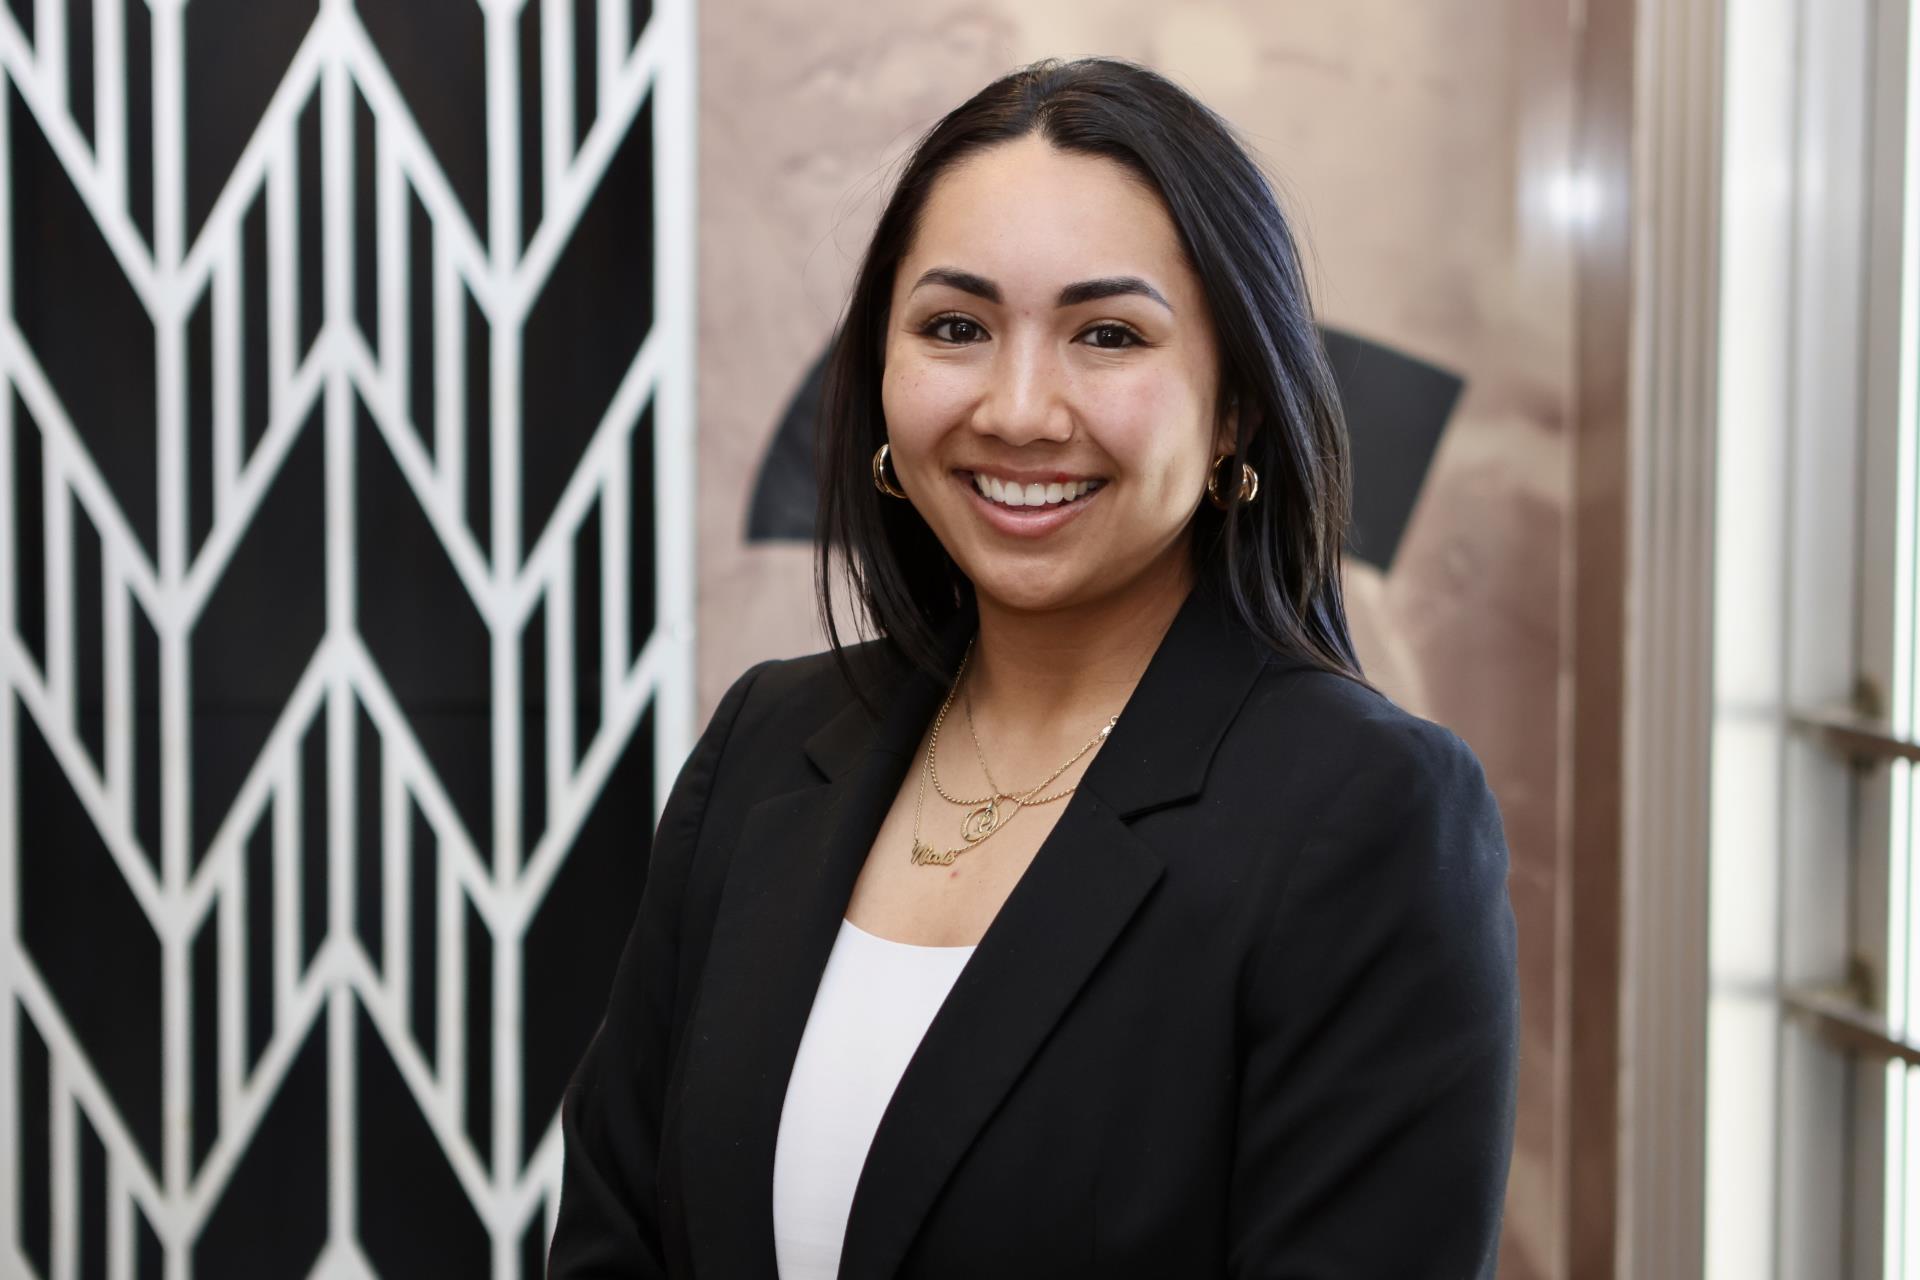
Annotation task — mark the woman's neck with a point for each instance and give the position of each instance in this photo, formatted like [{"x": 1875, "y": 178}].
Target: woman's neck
[{"x": 1037, "y": 680}]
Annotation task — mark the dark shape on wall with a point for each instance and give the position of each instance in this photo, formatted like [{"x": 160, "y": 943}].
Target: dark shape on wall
[
  {"x": 1397, "y": 406},
  {"x": 785, "y": 498}
]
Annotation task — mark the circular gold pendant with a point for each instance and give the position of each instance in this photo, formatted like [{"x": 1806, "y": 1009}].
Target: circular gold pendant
[{"x": 982, "y": 822}]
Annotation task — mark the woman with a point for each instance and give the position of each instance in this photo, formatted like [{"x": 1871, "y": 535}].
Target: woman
[{"x": 1097, "y": 918}]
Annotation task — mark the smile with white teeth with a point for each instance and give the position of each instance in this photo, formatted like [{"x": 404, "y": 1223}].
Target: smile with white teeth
[{"x": 1033, "y": 495}]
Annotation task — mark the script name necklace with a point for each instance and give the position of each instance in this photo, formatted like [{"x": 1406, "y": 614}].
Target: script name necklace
[{"x": 985, "y": 815}]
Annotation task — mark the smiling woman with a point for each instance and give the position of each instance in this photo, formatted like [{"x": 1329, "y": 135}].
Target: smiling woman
[
  {"x": 1082, "y": 271},
  {"x": 1245, "y": 1003}
]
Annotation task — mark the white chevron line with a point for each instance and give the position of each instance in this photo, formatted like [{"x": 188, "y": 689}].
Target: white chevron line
[
  {"x": 509, "y": 1089},
  {"x": 58, "y": 543},
  {"x": 287, "y": 886},
  {"x": 50, "y": 49},
  {"x": 48, "y": 108},
  {"x": 615, "y": 41},
  {"x": 251, "y": 487},
  {"x": 392, "y": 231},
  {"x": 597, "y": 460},
  {"x": 450, "y": 939},
  {"x": 117, "y": 691},
  {"x": 283, "y": 278},
  {"x": 568, "y": 810},
  {"x": 450, "y": 352},
  {"x": 356, "y": 49},
  {"x": 568, "y": 199},
  {"x": 109, "y": 104},
  {"x": 342, "y": 1260},
  {"x": 338, "y": 35},
  {"x": 449, "y": 1130},
  {"x": 119, "y": 1224},
  {"x": 244, "y": 1103},
  {"x": 225, "y": 289},
  {"x": 553, "y": 1213},
  {"x": 403, "y": 442},
  {"x": 62, "y": 447},
  {"x": 539, "y": 1180},
  {"x": 341, "y": 656},
  {"x": 168, "y": 43},
  {"x": 278, "y": 756},
  {"x": 396, "y": 848},
  {"x": 616, "y": 576},
  {"x": 675, "y": 187},
  {"x": 558, "y": 747},
  {"x": 505, "y": 464},
  {"x": 504, "y": 113},
  {"x": 343, "y": 1110},
  {"x": 110, "y": 818},
  {"x": 230, "y": 986},
  {"x": 268, "y": 145},
  {"x": 457, "y": 847},
  {"x": 63, "y": 1173},
  {"x": 64, "y": 1049},
  {"x": 556, "y": 98}
]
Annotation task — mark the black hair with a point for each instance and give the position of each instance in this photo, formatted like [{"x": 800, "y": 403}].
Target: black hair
[{"x": 1276, "y": 560}]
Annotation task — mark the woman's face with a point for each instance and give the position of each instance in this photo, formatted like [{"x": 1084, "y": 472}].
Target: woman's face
[{"x": 1045, "y": 333}]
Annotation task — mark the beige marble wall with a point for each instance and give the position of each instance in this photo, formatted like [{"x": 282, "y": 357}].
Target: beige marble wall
[{"x": 1422, "y": 147}]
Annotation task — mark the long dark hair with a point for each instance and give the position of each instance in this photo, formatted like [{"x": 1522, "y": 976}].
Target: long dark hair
[{"x": 1277, "y": 560}]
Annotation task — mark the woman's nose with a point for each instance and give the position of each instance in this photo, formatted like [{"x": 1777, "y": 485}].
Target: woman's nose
[{"x": 1026, "y": 398}]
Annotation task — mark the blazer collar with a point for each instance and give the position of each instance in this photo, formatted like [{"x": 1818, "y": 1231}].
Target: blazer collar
[{"x": 791, "y": 876}]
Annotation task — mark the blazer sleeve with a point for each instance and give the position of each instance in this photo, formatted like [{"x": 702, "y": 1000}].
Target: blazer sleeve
[
  {"x": 1380, "y": 1031},
  {"x": 610, "y": 1114}
]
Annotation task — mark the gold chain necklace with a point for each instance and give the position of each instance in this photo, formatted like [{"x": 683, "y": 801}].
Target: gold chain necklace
[
  {"x": 985, "y": 819},
  {"x": 999, "y": 793},
  {"x": 980, "y": 755}
]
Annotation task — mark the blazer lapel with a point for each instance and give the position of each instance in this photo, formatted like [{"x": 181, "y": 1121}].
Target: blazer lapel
[
  {"x": 791, "y": 877},
  {"x": 789, "y": 880},
  {"x": 1063, "y": 914}
]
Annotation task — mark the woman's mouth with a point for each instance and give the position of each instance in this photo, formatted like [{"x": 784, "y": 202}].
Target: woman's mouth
[
  {"x": 1029, "y": 510},
  {"x": 1032, "y": 495}
]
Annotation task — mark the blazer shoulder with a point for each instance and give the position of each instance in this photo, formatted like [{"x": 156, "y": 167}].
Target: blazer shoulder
[
  {"x": 1390, "y": 825},
  {"x": 791, "y": 697},
  {"x": 1356, "y": 748}
]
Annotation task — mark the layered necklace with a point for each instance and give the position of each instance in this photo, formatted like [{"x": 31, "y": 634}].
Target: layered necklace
[{"x": 989, "y": 813}]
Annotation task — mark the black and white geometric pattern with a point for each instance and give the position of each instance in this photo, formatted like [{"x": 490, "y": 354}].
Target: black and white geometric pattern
[{"x": 345, "y": 612}]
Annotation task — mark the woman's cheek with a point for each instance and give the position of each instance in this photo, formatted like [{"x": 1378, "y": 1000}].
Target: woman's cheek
[
  {"x": 1133, "y": 426},
  {"x": 919, "y": 399}
]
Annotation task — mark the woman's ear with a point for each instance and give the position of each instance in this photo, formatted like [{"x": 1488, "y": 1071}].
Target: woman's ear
[{"x": 1227, "y": 435}]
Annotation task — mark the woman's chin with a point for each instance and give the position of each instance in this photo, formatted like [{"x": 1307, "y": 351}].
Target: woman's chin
[{"x": 1026, "y": 593}]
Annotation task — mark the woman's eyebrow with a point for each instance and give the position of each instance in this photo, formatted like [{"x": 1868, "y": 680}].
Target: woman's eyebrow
[
  {"x": 965, "y": 281},
  {"x": 1071, "y": 295},
  {"x": 1109, "y": 287}
]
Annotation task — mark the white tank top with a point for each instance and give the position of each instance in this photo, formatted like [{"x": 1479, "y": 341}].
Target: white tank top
[{"x": 875, "y": 1001}]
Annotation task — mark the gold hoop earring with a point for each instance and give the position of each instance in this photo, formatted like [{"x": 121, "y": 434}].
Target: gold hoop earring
[
  {"x": 1249, "y": 483},
  {"x": 880, "y": 481}
]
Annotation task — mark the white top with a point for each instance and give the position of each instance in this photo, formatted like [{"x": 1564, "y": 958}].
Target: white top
[{"x": 875, "y": 1001}]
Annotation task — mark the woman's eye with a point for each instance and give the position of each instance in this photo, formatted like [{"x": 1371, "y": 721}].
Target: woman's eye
[
  {"x": 964, "y": 331},
  {"x": 1128, "y": 338}
]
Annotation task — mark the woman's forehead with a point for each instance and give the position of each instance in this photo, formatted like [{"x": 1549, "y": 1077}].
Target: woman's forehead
[{"x": 1032, "y": 218}]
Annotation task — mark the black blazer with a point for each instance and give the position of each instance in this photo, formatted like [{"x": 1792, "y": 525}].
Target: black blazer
[{"x": 1251, "y": 1011}]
